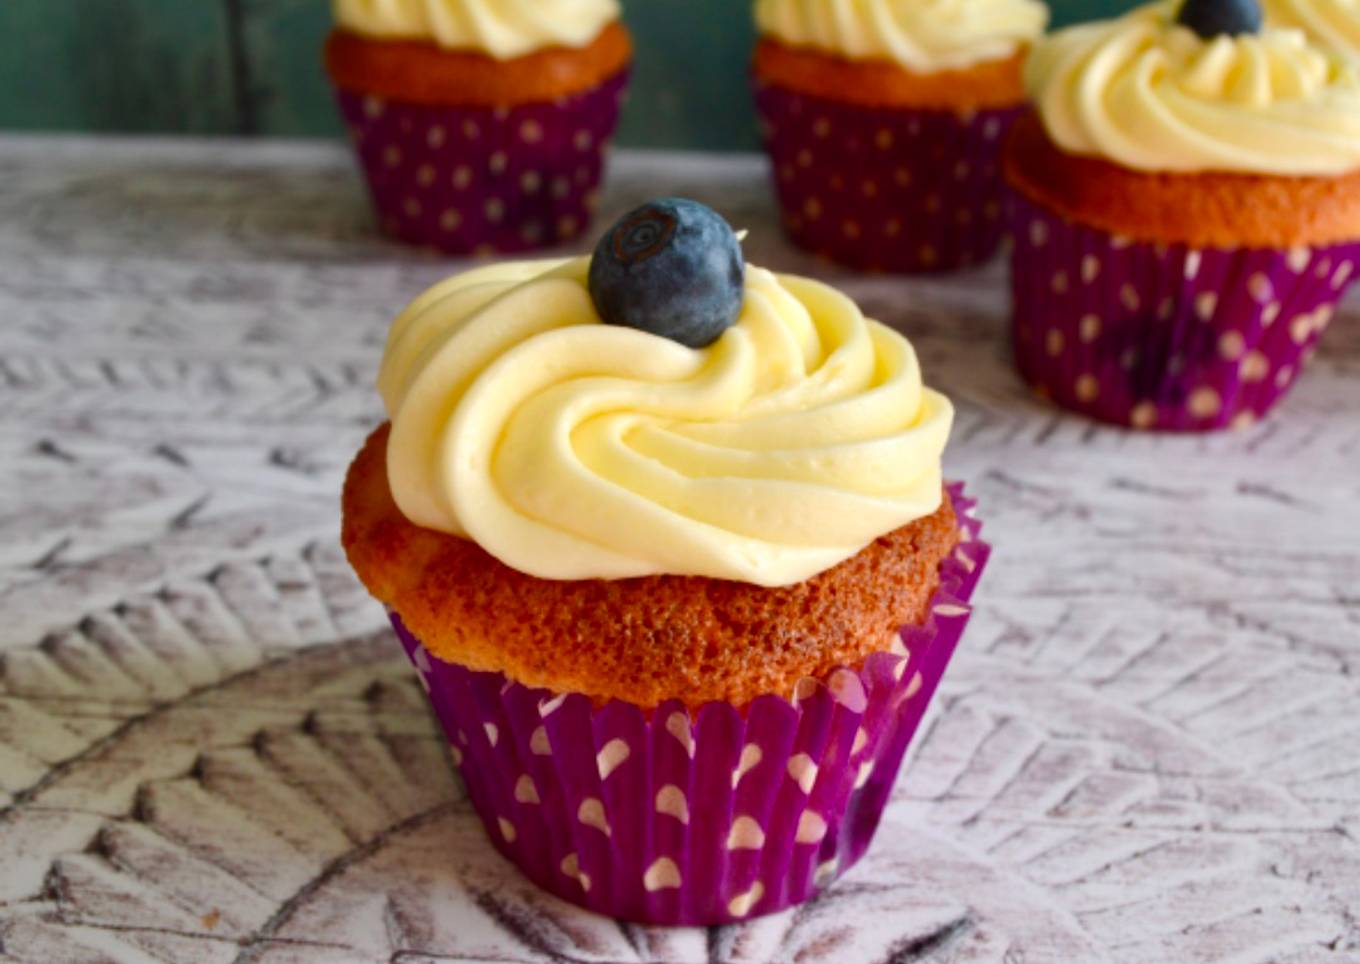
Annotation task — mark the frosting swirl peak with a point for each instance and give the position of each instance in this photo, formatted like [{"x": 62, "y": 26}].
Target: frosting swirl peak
[
  {"x": 925, "y": 36},
  {"x": 571, "y": 449},
  {"x": 1334, "y": 24},
  {"x": 499, "y": 28},
  {"x": 1149, "y": 94}
]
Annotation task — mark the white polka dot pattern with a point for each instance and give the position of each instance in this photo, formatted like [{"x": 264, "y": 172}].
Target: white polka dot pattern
[
  {"x": 705, "y": 817},
  {"x": 671, "y": 801},
  {"x": 750, "y": 758},
  {"x": 803, "y": 769},
  {"x": 611, "y": 757},
  {"x": 525, "y": 791},
  {"x": 811, "y": 828},
  {"x": 925, "y": 190},
  {"x": 1164, "y": 337},
  {"x": 539, "y": 744},
  {"x": 571, "y": 867},
  {"x": 746, "y": 834},
  {"x": 662, "y": 874},
  {"x": 591, "y": 814},
  {"x": 465, "y": 180},
  {"x": 742, "y": 904}
]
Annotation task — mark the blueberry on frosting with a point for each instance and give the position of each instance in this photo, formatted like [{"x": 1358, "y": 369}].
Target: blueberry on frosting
[
  {"x": 1213, "y": 18},
  {"x": 672, "y": 267}
]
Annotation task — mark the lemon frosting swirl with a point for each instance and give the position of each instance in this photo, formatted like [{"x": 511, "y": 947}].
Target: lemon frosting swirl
[
  {"x": 500, "y": 28},
  {"x": 924, "y": 36},
  {"x": 571, "y": 449},
  {"x": 1151, "y": 95},
  {"x": 1334, "y": 24}
]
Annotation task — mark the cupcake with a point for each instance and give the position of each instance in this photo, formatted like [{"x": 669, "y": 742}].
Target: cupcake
[
  {"x": 666, "y": 538},
  {"x": 480, "y": 126},
  {"x": 1334, "y": 24},
  {"x": 1185, "y": 211},
  {"x": 883, "y": 120}
]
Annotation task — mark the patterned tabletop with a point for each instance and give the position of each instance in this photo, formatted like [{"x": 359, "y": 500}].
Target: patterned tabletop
[{"x": 211, "y": 748}]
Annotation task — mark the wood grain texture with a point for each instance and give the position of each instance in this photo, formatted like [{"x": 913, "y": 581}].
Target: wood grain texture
[{"x": 1148, "y": 748}]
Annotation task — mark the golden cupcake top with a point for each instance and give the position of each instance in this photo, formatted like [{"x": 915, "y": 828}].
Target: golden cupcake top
[
  {"x": 498, "y": 28},
  {"x": 1334, "y": 24},
  {"x": 924, "y": 36},
  {"x": 658, "y": 408},
  {"x": 1198, "y": 87}
]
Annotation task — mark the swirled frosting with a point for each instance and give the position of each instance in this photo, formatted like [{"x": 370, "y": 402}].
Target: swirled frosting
[
  {"x": 1151, "y": 95},
  {"x": 500, "y": 28},
  {"x": 571, "y": 449},
  {"x": 1334, "y": 24},
  {"x": 921, "y": 35}
]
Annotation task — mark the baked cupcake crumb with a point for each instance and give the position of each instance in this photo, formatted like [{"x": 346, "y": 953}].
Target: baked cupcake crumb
[
  {"x": 641, "y": 640},
  {"x": 881, "y": 83},
  {"x": 421, "y": 72},
  {"x": 1208, "y": 209}
]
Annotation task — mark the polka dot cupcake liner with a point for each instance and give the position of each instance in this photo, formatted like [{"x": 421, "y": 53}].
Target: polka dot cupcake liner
[
  {"x": 881, "y": 189},
  {"x": 1165, "y": 337},
  {"x": 475, "y": 180},
  {"x": 679, "y": 818}
]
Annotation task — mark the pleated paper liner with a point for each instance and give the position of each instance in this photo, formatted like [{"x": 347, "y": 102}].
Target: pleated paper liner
[
  {"x": 476, "y": 180},
  {"x": 886, "y": 189},
  {"x": 669, "y": 817},
  {"x": 1165, "y": 337}
]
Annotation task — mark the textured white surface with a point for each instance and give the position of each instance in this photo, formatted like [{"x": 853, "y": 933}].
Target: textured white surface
[{"x": 1148, "y": 748}]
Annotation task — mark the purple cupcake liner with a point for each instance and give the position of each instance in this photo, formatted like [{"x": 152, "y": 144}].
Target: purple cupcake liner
[
  {"x": 1164, "y": 336},
  {"x": 666, "y": 817},
  {"x": 484, "y": 180},
  {"x": 886, "y": 189}
]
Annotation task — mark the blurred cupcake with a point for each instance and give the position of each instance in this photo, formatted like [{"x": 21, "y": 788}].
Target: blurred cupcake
[
  {"x": 1186, "y": 213},
  {"x": 481, "y": 125},
  {"x": 666, "y": 538},
  {"x": 1334, "y": 24},
  {"x": 883, "y": 120}
]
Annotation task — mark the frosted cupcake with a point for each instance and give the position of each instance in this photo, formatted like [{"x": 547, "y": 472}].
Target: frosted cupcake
[
  {"x": 1334, "y": 24},
  {"x": 666, "y": 537},
  {"x": 1186, "y": 213},
  {"x": 883, "y": 120},
  {"x": 481, "y": 125}
]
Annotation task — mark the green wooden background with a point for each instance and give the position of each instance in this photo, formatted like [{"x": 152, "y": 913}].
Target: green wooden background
[{"x": 252, "y": 67}]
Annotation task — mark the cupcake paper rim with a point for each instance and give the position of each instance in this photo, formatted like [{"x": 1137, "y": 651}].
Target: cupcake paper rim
[
  {"x": 792, "y": 786},
  {"x": 1171, "y": 337},
  {"x": 485, "y": 180},
  {"x": 911, "y": 190}
]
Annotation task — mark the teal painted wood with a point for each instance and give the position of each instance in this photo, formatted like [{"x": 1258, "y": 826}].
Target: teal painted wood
[
  {"x": 116, "y": 65},
  {"x": 253, "y": 67},
  {"x": 289, "y": 91},
  {"x": 690, "y": 85}
]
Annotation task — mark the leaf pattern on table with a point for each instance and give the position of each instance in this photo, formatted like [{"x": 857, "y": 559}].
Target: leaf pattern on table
[{"x": 211, "y": 749}]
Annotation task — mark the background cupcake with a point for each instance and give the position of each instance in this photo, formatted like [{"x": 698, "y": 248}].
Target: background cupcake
[
  {"x": 481, "y": 126},
  {"x": 883, "y": 120},
  {"x": 1186, "y": 210},
  {"x": 665, "y": 536},
  {"x": 1334, "y": 24}
]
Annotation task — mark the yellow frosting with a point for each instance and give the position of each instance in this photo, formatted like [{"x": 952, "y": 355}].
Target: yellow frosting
[
  {"x": 500, "y": 28},
  {"x": 1152, "y": 95},
  {"x": 571, "y": 449},
  {"x": 924, "y": 36},
  {"x": 1334, "y": 24}
]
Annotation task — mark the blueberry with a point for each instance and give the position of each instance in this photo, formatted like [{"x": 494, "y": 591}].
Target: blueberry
[
  {"x": 1212, "y": 18},
  {"x": 672, "y": 267}
]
